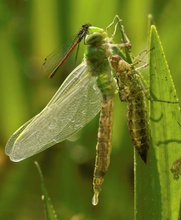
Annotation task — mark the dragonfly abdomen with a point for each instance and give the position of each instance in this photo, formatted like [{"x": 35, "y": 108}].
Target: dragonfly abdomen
[
  {"x": 138, "y": 126},
  {"x": 103, "y": 148}
]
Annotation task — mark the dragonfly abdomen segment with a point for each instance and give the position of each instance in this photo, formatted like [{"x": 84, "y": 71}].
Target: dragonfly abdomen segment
[
  {"x": 138, "y": 126},
  {"x": 103, "y": 148}
]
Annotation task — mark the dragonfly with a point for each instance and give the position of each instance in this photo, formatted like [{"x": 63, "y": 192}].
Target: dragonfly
[
  {"x": 54, "y": 61},
  {"x": 132, "y": 91},
  {"x": 88, "y": 89}
]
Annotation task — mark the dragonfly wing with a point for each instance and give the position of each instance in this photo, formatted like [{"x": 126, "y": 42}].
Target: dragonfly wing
[
  {"x": 53, "y": 59},
  {"x": 70, "y": 109}
]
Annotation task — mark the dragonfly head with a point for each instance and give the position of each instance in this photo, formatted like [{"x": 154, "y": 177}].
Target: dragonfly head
[{"x": 95, "y": 36}]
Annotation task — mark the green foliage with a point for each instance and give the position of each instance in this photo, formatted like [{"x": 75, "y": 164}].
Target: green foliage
[
  {"x": 49, "y": 210},
  {"x": 157, "y": 194},
  {"x": 29, "y": 31}
]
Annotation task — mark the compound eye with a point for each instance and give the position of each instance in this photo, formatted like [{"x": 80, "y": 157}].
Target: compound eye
[{"x": 93, "y": 38}]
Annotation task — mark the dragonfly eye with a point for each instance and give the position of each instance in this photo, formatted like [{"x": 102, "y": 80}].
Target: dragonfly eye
[
  {"x": 93, "y": 39},
  {"x": 86, "y": 26}
]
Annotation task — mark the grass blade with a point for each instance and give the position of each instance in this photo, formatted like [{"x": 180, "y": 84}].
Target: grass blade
[
  {"x": 157, "y": 195},
  {"x": 49, "y": 211}
]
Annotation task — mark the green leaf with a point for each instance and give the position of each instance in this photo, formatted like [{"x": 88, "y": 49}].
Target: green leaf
[
  {"x": 49, "y": 211},
  {"x": 157, "y": 194}
]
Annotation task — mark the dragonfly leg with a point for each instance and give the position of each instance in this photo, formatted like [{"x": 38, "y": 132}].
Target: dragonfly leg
[
  {"x": 115, "y": 28},
  {"x": 125, "y": 38}
]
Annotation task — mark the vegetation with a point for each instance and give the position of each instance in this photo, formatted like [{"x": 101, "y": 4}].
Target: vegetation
[{"x": 29, "y": 31}]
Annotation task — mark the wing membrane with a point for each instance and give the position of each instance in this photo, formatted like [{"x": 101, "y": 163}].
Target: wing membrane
[{"x": 76, "y": 102}]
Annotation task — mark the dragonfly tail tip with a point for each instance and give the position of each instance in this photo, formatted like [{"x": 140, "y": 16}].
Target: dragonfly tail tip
[{"x": 95, "y": 199}]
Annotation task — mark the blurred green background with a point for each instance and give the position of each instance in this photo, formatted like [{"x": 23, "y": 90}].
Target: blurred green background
[{"x": 29, "y": 31}]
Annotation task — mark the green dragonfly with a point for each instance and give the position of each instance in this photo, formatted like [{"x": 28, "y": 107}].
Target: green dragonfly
[{"x": 88, "y": 89}]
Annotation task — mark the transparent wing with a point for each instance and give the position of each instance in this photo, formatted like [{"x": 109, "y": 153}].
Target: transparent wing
[
  {"x": 53, "y": 59},
  {"x": 76, "y": 102}
]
